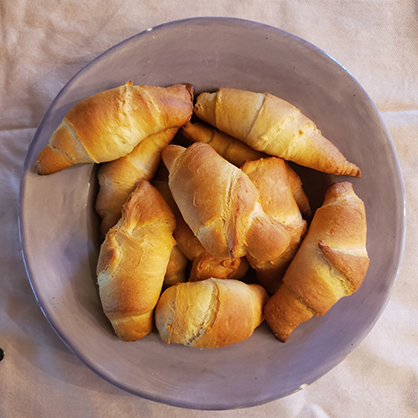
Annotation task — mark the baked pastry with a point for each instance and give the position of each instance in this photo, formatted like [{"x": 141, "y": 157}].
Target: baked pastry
[
  {"x": 230, "y": 148},
  {"x": 133, "y": 261},
  {"x": 274, "y": 126},
  {"x": 110, "y": 124},
  {"x": 210, "y": 313},
  {"x": 270, "y": 176},
  {"x": 204, "y": 265},
  {"x": 117, "y": 179},
  {"x": 297, "y": 191},
  {"x": 221, "y": 205},
  {"x": 176, "y": 268},
  {"x": 331, "y": 263}
]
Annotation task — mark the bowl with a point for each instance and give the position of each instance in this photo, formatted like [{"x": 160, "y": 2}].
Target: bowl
[{"x": 59, "y": 228}]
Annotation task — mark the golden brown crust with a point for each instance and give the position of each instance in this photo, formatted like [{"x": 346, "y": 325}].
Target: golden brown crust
[
  {"x": 133, "y": 261},
  {"x": 61, "y": 152},
  {"x": 176, "y": 268},
  {"x": 117, "y": 179},
  {"x": 237, "y": 153},
  {"x": 286, "y": 314},
  {"x": 351, "y": 267},
  {"x": 230, "y": 148},
  {"x": 178, "y": 263},
  {"x": 210, "y": 313},
  {"x": 109, "y": 124},
  {"x": 270, "y": 176},
  {"x": 331, "y": 262},
  {"x": 133, "y": 328},
  {"x": 272, "y": 125},
  {"x": 204, "y": 265},
  {"x": 208, "y": 191},
  {"x": 298, "y": 192},
  {"x": 220, "y": 204},
  {"x": 266, "y": 238}
]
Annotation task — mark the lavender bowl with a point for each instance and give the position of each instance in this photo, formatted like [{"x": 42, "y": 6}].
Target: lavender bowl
[{"x": 59, "y": 229}]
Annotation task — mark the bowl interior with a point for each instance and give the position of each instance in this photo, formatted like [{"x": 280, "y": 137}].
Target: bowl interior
[{"x": 59, "y": 232}]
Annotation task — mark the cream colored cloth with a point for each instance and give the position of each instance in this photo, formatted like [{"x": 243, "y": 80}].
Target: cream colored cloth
[{"x": 43, "y": 43}]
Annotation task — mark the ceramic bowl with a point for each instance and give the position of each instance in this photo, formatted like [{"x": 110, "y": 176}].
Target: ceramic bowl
[{"x": 59, "y": 228}]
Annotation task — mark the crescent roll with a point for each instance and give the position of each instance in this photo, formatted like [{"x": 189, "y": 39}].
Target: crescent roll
[
  {"x": 133, "y": 261},
  {"x": 274, "y": 126},
  {"x": 331, "y": 263},
  {"x": 110, "y": 124},
  {"x": 210, "y": 313}
]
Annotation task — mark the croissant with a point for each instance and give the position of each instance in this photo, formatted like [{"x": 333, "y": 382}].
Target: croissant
[
  {"x": 331, "y": 263},
  {"x": 133, "y": 261},
  {"x": 210, "y": 313},
  {"x": 274, "y": 126},
  {"x": 221, "y": 205},
  {"x": 109, "y": 124},
  {"x": 204, "y": 265},
  {"x": 237, "y": 153},
  {"x": 117, "y": 178},
  {"x": 270, "y": 176}
]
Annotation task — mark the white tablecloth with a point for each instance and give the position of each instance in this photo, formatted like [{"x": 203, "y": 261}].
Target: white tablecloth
[{"x": 43, "y": 43}]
